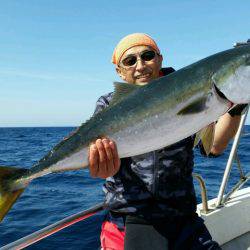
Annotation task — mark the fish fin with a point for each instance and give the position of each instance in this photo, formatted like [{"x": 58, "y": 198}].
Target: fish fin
[
  {"x": 206, "y": 135},
  {"x": 8, "y": 197},
  {"x": 122, "y": 90},
  {"x": 197, "y": 138},
  {"x": 195, "y": 107}
]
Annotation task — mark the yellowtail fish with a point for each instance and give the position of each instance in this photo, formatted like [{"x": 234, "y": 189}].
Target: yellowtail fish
[{"x": 145, "y": 118}]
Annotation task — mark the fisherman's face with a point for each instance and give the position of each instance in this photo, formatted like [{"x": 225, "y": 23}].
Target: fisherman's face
[{"x": 139, "y": 65}]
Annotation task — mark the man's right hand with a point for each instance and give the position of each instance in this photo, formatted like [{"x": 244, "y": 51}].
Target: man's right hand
[{"x": 104, "y": 160}]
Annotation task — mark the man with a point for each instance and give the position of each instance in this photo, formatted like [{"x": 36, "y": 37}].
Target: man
[{"x": 151, "y": 197}]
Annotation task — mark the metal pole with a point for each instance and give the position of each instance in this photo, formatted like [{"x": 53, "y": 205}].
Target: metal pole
[
  {"x": 238, "y": 185},
  {"x": 236, "y": 157},
  {"x": 203, "y": 193},
  {"x": 51, "y": 229},
  {"x": 230, "y": 159}
]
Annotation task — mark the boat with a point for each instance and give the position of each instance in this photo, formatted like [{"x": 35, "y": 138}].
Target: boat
[{"x": 227, "y": 217}]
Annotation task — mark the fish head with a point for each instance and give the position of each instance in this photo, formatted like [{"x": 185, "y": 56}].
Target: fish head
[{"x": 232, "y": 77}]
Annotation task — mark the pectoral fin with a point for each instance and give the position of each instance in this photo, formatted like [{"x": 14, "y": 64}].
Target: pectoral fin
[
  {"x": 197, "y": 106},
  {"x": 206, "y": 135}
]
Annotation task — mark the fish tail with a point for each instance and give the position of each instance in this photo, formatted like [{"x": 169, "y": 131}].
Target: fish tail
[{"x": 7, "y": 196}]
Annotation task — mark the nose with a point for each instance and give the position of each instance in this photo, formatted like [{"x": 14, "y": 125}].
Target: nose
[{"x": 140, "y": 65}]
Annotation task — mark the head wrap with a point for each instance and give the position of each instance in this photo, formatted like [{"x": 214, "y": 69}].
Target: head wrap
[{"x": 130, "y": 41}]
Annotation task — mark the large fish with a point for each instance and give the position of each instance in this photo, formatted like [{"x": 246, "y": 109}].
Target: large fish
[{"x": 145, "y": 118}]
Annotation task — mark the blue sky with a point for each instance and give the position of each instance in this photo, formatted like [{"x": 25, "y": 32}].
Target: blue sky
[{"x": 55, "y": 55}]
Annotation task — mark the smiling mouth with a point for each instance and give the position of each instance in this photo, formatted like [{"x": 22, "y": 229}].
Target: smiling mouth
[{"x": 143, "y": 76}]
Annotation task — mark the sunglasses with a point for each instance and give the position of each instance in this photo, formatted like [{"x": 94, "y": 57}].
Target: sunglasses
[{"x": 131, "y": 60}]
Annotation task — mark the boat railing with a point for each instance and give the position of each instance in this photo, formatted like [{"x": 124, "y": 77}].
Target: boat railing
[
  {"x": 233, "y": 156},
  {"x": 53, "y": 228},
  {"x": 203, "y": 189},
  {"x": 221, "y": 199}
]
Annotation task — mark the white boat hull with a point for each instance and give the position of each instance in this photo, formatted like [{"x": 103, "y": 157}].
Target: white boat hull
[{"x": 229, "y": 225}]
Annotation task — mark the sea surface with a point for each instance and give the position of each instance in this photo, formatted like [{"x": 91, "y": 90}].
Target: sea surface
[{"x": 53, "y": 197}]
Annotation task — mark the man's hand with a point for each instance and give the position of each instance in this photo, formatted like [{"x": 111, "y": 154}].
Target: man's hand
[{"x": 103, "y": 158}]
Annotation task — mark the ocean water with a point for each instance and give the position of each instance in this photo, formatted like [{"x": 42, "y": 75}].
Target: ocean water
[{"x": 53, "y": 197}]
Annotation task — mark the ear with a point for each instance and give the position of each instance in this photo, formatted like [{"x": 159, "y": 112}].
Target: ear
[
  {"x": 160, "y": 59},
  {"x": 120, "y": 73}
]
